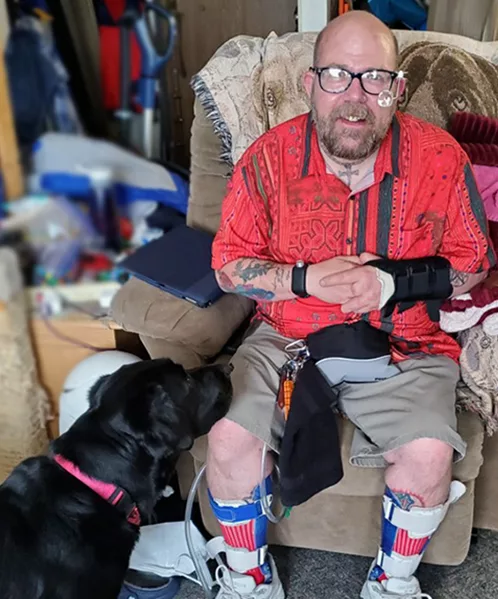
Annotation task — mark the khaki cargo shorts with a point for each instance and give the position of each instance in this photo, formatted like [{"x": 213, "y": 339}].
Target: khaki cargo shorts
[{"x": 419, "y": 402}]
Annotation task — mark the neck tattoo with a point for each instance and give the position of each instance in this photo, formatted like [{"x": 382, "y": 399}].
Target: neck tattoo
[{"x": 346, "y": 173}]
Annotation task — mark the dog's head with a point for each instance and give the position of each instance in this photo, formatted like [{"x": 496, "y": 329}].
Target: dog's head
[
  {"x": 161, "y": 404},
  {"x": 140, "y": 419}
]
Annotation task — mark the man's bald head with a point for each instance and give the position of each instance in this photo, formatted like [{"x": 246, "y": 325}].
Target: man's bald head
[{"x": 355, "y": 25}]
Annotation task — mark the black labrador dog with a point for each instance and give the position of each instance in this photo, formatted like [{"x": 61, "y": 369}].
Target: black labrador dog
[{"x": 69, "y": 520}]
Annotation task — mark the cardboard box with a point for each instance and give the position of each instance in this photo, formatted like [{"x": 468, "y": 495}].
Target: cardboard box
[{"x": 62, "y": 342}]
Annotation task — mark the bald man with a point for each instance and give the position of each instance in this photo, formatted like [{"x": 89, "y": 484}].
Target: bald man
[{"x": 351, "y": 214}]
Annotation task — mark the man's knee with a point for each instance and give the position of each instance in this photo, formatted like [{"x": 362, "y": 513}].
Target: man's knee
[
  {"x": 228, "y": 441},
  {"x": 431, "y": 458}
]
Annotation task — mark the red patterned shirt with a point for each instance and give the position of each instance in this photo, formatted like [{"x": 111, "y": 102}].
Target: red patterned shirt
[{"x": 283, "y": 206}]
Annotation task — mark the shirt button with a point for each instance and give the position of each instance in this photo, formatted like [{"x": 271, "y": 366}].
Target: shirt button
[{"x": 349, "y": 241}]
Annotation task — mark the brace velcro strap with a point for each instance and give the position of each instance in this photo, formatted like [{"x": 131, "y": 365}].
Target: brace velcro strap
[
  {"x": 399, "y": 567},
  {"x": 421, "y": 522},
  {"x": 419, "y": 279},
  {"x": 238, "y": 559},
  {"x": 240, "y": 513}
]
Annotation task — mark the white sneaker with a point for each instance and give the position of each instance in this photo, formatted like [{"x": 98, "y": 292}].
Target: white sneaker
[
  {"x": 240, "y": 586},
  {"x": 393, "y": 588}
]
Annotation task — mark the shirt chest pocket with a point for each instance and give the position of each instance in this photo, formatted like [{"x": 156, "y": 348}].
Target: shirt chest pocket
[{"x": 417, "y": 242}]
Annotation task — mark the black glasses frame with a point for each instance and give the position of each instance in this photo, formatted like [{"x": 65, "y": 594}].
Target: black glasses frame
[{"x": 319, "y": 70}]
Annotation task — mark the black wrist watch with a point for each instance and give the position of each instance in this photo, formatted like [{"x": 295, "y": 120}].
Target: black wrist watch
[{"x": 298, "y": 284}]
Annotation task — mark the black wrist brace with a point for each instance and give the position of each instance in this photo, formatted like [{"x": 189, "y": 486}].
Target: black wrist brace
[{"x": 419, "y": 279}]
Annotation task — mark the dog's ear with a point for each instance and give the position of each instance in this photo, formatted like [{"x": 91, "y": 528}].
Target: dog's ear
[
  {"x": 213, "y": 395},
  {"x": 96, "y": 391},
  {"x": 164, "y": 409}
]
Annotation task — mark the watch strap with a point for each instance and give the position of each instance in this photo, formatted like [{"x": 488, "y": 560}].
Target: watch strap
[{"x": 298, "y": 284}]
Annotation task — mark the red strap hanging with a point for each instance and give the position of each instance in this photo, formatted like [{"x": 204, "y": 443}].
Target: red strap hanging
[{"x": 110, "y": 57}]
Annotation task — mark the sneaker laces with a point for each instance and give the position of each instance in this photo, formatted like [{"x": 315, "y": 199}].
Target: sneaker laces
[
  {"x": 418, "y": 595},
  {"x": 225, "y": 582}
]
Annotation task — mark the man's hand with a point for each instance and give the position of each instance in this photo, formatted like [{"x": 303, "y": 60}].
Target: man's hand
[
  {"x": 336, "y": 294},
  {"x": 358, "y": 287}
]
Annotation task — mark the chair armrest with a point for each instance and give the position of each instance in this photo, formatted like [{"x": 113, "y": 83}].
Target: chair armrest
[{"x": 152, "y": 313}]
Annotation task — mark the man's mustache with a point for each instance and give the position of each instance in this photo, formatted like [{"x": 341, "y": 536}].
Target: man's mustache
[{"x": 358, "y": 111}]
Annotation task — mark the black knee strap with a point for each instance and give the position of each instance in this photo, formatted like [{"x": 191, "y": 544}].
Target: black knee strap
[{"x": 419, "y": 279}]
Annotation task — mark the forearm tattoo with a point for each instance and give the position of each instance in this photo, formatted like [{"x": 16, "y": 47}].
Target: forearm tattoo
[
  {"x": 245, "y": 289},
  {"x": 458, "y": 278},
  {"x": 249, "y": 270},
  {"x": 256, "y": 279}
]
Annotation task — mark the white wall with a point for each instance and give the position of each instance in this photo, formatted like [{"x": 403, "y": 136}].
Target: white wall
[
  {"x": 312, "y": 15},
  {"x": 4, "y": 23}
]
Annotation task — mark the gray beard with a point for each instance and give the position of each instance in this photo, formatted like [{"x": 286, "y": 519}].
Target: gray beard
[{"x": 335, "y": 148}]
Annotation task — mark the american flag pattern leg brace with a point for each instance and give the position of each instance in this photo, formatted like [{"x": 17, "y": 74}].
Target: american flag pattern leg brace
[
  {"x": 244, "y": 528},
  {"x": 406, "y": 534}
]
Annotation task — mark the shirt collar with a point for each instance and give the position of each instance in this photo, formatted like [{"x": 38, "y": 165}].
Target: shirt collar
[{"x": 388, "y": 160}]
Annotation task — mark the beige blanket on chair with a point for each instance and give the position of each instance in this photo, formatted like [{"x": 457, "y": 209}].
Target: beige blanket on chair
[{"x": 478, "y": 389}]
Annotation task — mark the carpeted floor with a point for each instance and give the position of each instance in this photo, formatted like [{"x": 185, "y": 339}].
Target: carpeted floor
[{"x": 319, "y": 575}]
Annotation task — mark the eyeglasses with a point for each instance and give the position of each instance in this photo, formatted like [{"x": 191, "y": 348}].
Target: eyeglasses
[{"x": 335, "y": 80}]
